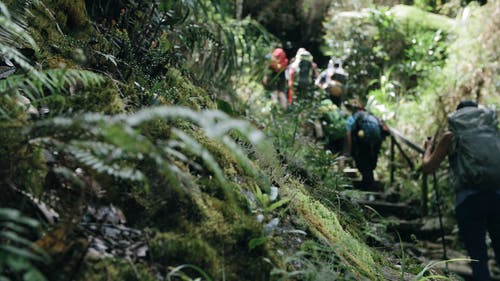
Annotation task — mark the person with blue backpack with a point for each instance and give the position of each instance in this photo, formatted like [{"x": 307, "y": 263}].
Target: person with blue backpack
[
  {"x": 363, "y": 140},
  {"x": 472, "y": 145}
]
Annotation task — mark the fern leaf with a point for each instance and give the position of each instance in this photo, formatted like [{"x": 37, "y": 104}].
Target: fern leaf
[
  {"x": 196, "y": 148},
  {"x": 87, "y": 158},
  {"x": 55, "y": 81}
]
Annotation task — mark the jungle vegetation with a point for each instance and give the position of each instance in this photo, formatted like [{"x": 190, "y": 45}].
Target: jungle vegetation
[{"x": 137, "y": 142}]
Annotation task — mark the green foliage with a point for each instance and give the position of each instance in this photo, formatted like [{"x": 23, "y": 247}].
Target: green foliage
[
  {"x": 36, "y": 84},
  {"x": 421, "y": 275},
  {"x": 19, "y": 257},
  {"x": 13, "y": 34},
  {"x": 114, "y": 145},
  {"x": 115, "y": 269},
  {"x": 333, "y": 120},
  {"x": 178, "y": 272},
  {"x": 400, "y": 57},
  {"x": 315, "y": 261},
  {"x": 196, "y": 37}
]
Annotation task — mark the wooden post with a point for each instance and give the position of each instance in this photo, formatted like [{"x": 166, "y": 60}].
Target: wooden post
[{"x": 424, "y": 204}]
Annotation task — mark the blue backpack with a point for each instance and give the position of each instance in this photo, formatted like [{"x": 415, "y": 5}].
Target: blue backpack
[{"x": 366, "y": 128}]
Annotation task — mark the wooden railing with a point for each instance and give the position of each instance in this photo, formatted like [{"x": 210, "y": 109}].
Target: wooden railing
[{"x": 395, "y": 144}]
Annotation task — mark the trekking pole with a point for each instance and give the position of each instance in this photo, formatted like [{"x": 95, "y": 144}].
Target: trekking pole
[{"x": 438, "y": 203}]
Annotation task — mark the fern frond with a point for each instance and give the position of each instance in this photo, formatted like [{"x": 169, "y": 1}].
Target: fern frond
[
  {"x": 113, "y": 145},
  {"x": 87, "y": 158},
  {"x": 161, "y": 112},
  {"x": 15, "y": 249},
  {"x": 14, "y": 55},
  {"x": 13, "y": 35},
  {"x": 193, "y": 146},
  {"x": 11, "y": 31},
  {"x": 56, "y": 81},
  {"x": 240, "y": 156},
  {"x": 69, "y": 175}
]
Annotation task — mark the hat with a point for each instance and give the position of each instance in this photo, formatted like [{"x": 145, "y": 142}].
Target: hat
[{"x": 302, "y": 51}]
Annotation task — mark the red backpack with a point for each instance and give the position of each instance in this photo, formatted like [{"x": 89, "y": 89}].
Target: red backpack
[{"x": 279, "y": 60}]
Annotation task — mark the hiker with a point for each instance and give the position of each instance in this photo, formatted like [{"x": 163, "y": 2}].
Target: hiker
[
  {"x": 364, "y": 136},
  {"x": 332, "y": 80},
  {"x": 332, "y": 124},
  {"x": 472, "y": 145},
  {"x": 274, "y": 80},
  {"x": 301, "y": 75}
]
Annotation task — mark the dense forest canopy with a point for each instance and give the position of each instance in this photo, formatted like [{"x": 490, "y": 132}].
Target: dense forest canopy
[{"x": 138, "y": 142}]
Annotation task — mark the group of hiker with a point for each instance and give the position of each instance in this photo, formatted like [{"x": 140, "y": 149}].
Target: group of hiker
[
  {"x": 358, "y": 135},
  {"x": 296, "y": 78},
  {"x": 472, "y": 146}
]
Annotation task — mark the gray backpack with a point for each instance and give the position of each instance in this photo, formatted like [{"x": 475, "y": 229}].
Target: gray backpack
[{"x": 475, "y": 160}]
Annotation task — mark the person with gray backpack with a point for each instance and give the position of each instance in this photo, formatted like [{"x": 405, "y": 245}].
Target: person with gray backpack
[
  {"x": 301, "y": 74},
  {"x": 472, "y": 145}
]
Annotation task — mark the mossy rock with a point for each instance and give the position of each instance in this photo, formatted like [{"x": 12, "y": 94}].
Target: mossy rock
[
  {"x": 156, "y": 129},
  {"x": 172, "y": 249},
  {"x": 115, "y": 269},
  {"x": 70, "y": 14},
  {"x": 180, "y": 91},
  {"x": 105, "y": 100},
  {"x": 56, "y": 103},
  {"x": 21, "y": 162},
  {"x": 11, "y": 108},
  {"x": 58, "y": 61},
  {"x": 233, "y": 229}
]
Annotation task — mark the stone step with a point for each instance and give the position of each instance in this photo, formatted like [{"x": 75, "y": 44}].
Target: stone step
[
  {"x": 427, "y": 229},
  {"x": 386, "y": 209},
  {"x": 430, "y": 252},
  {"x": 357, "y": 184},
  {"x": 460, "y": 268},
  {"x": 351, "y": 172}
]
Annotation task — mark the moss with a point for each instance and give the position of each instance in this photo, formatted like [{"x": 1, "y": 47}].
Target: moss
[
  {"x": 172, "y": 249},
  {"x": 324, "y": 224},
  {"x": 21, "y": 163},
  {"x": 220, "y": 216},
  {"x": 115, "y": 269},
  {"x": 44, "y": 30},
  {"x": 156, "y": 129},
  {"x": 70, "y": 13},
  {"x": 105, "y": 100},
  {"x": 56, "y": 103},
  {"x": 58, "y": 61},
  {"x": 179, "y": 91},
  {"x": 231, "y": 229},
  {"x": 155, "y": 202},
  {"x": 134, "y": 99}
]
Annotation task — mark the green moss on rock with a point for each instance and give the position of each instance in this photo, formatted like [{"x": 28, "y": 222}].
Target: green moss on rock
[
  {"x": 172, "y": 249},
  {"x": 114, "y": 269},
  {"x": 70, "y": 13},
  {"x": 105, "y": 100},
  {"x": 21, "y": 163},
  {"x": 179, "y": 91}
]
